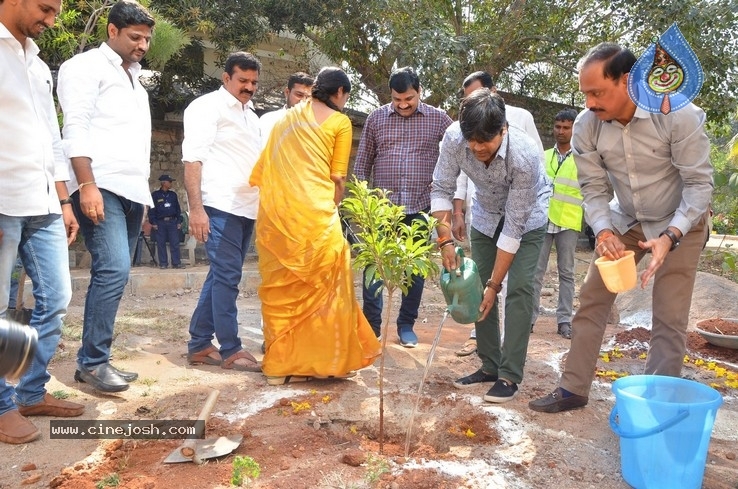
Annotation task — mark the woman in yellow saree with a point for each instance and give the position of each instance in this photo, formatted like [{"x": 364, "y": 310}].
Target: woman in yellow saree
[{"x": 313, "y": 325}]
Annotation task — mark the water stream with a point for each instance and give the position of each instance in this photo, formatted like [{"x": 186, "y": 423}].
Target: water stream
[{"x": 428, "y": 363}]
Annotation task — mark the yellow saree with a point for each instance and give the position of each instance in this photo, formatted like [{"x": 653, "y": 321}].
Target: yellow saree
[{"x": 313, "y": 325}]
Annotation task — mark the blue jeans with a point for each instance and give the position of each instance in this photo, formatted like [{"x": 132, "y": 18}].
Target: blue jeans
[
  {"x": 14, "y": 282},
  {"x": 111, "y": 244},
  {"x": 41, "y": 243},
  {"x": 409, "y": 305},
  {"x": 566, "y": 246},
  {"x": 167, "y": 231},
  {"x": 216, "y": 313}
]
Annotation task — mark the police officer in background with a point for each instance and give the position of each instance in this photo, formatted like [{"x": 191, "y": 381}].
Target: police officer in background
[{"x": 166, "y": 219}]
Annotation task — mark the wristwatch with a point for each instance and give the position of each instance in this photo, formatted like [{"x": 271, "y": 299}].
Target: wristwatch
[
  {"x": 672, "y": 237},
  {"x": 68, "y": 200}
]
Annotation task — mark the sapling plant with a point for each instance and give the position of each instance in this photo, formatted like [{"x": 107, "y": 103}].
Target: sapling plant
[
  {"x": 245, "y": 470},
  {"x": 390, "y": 250}
]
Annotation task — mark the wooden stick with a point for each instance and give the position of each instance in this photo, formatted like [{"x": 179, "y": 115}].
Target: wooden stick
[{"x": 187, "y": 449}]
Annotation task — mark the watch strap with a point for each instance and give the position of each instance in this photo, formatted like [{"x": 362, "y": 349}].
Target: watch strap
[{"x": 672, "y": 237}]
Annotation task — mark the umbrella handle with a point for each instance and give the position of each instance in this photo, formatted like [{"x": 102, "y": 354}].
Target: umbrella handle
[{"x": 187, "y": 449}]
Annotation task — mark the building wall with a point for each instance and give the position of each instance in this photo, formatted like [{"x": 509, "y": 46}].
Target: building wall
[
  {"x": 166, "y": 156},
  {"x": 543, "y": 114}
]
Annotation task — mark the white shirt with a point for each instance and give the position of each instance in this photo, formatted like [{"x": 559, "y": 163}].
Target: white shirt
[
  {"x": 522, "y": 119},
  {"x": 267, "y": 121},
  {"x": 225, "y": 136},
  {"x": 516, "y": 117},
  {"x": 107, "y": 119},
  {"x": 31, "y": 156}
]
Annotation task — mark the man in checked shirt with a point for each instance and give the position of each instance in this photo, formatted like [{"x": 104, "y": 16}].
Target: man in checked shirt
[{"x": 398, "y": 152}]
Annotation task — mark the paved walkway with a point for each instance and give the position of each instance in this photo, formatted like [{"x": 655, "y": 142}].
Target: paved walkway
[{"x": 722, "y": 241}]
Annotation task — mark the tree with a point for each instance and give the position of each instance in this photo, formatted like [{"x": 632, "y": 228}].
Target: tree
[
  {"x": 228, "y": 24},
  {"x": 530, "y": 46},
  {"x": 390, "y": 250},
  {"x": 83, "y": 24}
]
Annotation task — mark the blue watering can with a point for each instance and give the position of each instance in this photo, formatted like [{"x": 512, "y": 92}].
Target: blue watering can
[{"x": 463, "y": 290}]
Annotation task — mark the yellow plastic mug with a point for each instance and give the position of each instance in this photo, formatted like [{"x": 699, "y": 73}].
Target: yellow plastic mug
[{"x": 619, "y": 275}]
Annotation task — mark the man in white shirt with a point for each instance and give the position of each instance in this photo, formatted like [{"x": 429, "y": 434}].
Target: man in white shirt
[
  {"x": 221, "y": 145},
  {"x": 36, "y": 220},
  {"x": 516, "y": 117},
  {"x": 299, "y": 87},
  {"x": 107, "y": 138}
]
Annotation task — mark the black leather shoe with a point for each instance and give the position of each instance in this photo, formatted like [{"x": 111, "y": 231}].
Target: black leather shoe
[
  {"x": 555, "y": 402},
  {"x": 103, "y": 378},
  {"x": 127, "y": 376},
  {"x": 565, "y": 330}
]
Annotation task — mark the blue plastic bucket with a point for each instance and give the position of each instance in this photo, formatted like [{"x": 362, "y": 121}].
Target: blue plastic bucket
[{"x": 664, "y": 424}]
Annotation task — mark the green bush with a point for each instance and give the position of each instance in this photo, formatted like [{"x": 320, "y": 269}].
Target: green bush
[
  {"x": 724, "y": 159},
  {"x": 726, "y": 222}
]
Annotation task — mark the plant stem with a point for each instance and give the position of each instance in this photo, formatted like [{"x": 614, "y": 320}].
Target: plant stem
[{"x": 385, "y": 335}]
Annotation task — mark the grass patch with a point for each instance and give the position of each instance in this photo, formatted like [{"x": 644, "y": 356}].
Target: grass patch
[
  {"x": 117, "y": 353},
  {"x": 375, "y": 467},
  {"x": 161, "y": 323},
  {"x": 111, "y": 480},
  {"x": 72, "y": 328}
]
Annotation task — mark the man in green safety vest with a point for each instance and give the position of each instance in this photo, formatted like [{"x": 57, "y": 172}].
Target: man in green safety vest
[{"x": 565, "y": 215}]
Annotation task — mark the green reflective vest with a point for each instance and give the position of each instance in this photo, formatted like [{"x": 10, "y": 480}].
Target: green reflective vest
[{"x": 565, "y": 207}]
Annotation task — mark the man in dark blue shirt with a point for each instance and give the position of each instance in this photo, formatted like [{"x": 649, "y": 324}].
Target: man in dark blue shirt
[{"x": 166, "y": 219}]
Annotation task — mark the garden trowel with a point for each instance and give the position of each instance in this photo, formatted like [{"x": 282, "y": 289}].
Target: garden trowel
[{"x": 195, "y": 449}]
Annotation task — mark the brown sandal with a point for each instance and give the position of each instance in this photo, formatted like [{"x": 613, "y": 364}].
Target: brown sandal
[
  {"x": 230, "y": 362},
  {"x": 209, "y": 356},
  {"x": 468, "y": 348}
]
